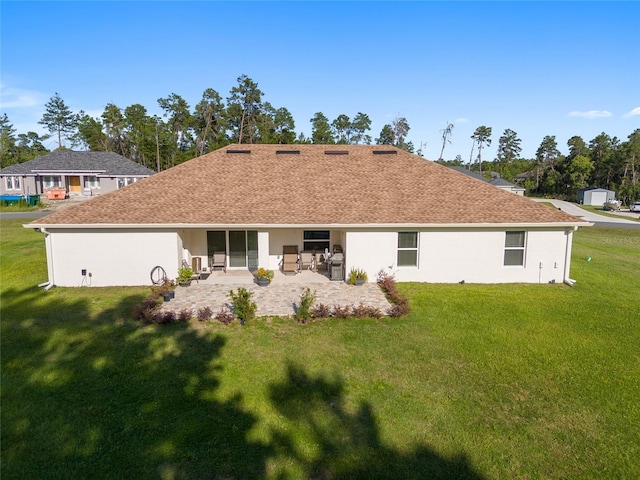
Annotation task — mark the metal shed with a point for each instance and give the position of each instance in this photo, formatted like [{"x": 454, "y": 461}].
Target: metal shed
[{"x": 595, "y": 196}]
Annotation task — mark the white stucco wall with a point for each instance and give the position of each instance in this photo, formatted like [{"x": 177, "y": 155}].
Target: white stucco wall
[
  {"x": 121, "y": 257},
  {"x": 112, "y": 257},
  {"x": 450, "y": 256}
]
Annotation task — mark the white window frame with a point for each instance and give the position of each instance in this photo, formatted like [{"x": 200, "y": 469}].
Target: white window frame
[
  {"x": 126, "y": 181},
  {"x": 408, "y": 249},
  {"x": 13, "y": 183},
  {"x": 91, "y": 181},
  {"x": 51, "y": 181},
  {"x": 515, "y": 248}
]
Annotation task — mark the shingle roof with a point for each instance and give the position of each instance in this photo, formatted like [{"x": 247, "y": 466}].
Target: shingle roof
[
  {"x": 103, "y": 163},
  {"x": 318, "y": 185}
]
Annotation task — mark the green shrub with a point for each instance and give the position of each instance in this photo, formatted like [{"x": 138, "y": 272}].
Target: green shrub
[
  {"x": 243, "y": 305},
  {"x": 304, "y": 310}
]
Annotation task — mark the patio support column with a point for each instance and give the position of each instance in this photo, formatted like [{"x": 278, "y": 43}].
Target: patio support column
[{"x": 263, "y": 249}]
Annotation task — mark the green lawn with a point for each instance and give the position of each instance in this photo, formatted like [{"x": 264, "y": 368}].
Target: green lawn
[{"x": 493, "y": 381}]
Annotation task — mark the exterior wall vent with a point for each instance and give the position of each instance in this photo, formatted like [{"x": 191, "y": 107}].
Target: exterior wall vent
[
  {"x": 287, "y": 152},
  {"x": 238, "y": 151},
  {"x": 385, "y": 152},
  {"x": 336, "y": 152}
]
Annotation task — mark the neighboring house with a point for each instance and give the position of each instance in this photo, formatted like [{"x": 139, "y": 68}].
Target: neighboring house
[
  {"x": 79, "y": 173},
  {"x": 595, "y": 196},
  {"x": 495, "y": 180},
  {"x": 387, "y": 209}
]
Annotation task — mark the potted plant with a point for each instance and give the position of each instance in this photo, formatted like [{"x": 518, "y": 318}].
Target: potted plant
[
  {"x": 357, "y": 277},
  {"x": 185, "y": 275},
  {"x": 264, "y": 276}
]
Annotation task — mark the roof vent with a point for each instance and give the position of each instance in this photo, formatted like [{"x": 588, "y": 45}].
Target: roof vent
[
  {"x": 385, "y": 152},
  {"x": 238, "y": 151},
  {"x": 287, "y": 152},
  {"x": 336, "y": 152}
]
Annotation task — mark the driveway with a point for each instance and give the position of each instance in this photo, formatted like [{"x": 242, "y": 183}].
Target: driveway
[{"x": 599, "y": 220}]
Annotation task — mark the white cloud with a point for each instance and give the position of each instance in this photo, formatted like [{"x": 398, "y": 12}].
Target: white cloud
[
  {"x": 633, "y": 113},
  {"x": 461, "y": 120},
  {"x": 19, "y": 98},
  {"x": 591, "y": 114}
]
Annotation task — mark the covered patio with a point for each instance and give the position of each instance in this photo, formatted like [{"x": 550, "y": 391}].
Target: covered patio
[{"x": 246, "y": 277}]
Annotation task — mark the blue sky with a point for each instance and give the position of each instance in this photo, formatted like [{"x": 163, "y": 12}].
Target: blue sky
[{"x": 539, "y": 68}]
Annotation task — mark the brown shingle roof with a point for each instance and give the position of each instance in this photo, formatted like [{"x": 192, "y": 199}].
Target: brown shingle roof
[{"x": 308, "y": 188}]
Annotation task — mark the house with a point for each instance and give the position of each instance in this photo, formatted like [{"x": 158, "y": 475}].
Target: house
[
  {"x": 384, "y": 207},
  {"x": 595, "y": 196},
  {"x": 495, "y": 180},
  {"x": 73, "y": 173}
]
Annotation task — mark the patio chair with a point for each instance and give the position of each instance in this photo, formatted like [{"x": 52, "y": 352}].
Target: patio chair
[
  {"x": 218, "y": 259},
  {"x": 290, "y": 259},
  {"x": 307, "y": 261}
]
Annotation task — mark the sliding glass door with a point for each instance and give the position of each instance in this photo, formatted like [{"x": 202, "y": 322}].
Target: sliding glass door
[{"x": 243, "y": 249}]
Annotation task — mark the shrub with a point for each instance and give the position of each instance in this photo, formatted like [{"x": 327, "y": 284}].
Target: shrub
[
  {"x": 144, "y": 310},
  {"x": 165, "y": 287},
  {"x": 342, "y": 312},
  {"x": 365, "y": 311},
  {"x": 224, "y": 316},
  {"x": 307, "y": 299},
  {"x": 400, "y": 303},
  {"x": 243, "y": 306},
  {"x": 163, "y": 317},
  {"x": 387, "y": 283},
  {"x": 321, "y": 311},
  {"x": 204, "y": 314},
  {"x": 185, "y": 315}
]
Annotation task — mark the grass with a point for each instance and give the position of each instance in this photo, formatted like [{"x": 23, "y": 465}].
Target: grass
[
  {"x": 20, "y": 207},
  {"x": 479, "y": 381}
]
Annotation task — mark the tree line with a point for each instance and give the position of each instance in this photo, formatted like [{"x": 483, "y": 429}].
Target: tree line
[
  {"x": 182, "y": 132},
  {"x": 604, "y": 161}
]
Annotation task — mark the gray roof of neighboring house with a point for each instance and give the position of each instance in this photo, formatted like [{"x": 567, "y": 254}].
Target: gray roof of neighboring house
[
  {"x": 495, "y": 181},
  {"x": 589, "y": 189},
  {"x": 102, "y": 163},
  {"x": 501, "y": 182}
]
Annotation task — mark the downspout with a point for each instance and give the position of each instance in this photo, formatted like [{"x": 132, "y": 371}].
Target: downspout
[
  {"x": 49, "y": 250},
  {"x": 567, "y": 258}
]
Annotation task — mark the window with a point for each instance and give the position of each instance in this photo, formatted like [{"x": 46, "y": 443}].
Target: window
[
  {"x": 13, "y": 183},
  {"x": 51, "y": 181},
  {"x": 316, "y": 240},
  {"x": 91, "y": 182},
  {"x": 407, "y": 249},
  {"x": 124, "y": 181},
  {"x": 514, "y": 248}
]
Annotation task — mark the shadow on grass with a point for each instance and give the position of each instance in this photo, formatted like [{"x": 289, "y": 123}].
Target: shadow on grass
[
  {"x": 331, "y": 443},
  {"x": 102, "y": 397}
]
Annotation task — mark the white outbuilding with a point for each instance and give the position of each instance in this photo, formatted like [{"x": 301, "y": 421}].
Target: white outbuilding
[{"x": 595, "y": 196}]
